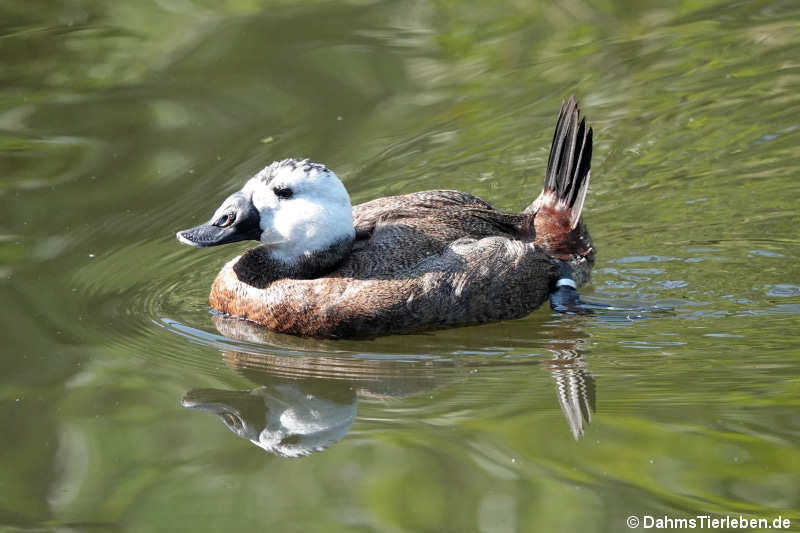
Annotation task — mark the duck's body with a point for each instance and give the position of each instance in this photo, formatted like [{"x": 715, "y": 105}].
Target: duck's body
[{"x": 417, "y": 261}]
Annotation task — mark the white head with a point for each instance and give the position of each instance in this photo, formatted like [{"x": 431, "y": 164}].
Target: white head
[
  {"x": 295, "y": 207},
  {"x": 303, "y": 207}
]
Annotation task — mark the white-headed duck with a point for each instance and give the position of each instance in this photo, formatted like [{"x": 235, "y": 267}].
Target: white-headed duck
[{"x": 402, "y": 263}]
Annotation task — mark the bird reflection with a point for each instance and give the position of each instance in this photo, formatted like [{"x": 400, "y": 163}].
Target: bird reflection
[
  {"x": 283, "y": 419},
  {"x": 305, "y": 404}
]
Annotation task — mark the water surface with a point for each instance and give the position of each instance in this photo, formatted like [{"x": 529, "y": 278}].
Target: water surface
[{"x": 123, "y": 122}]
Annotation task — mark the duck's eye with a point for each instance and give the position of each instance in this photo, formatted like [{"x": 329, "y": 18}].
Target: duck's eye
[
  {"x": 283, "y": 192},
  {"x": 225, "y": 220}
]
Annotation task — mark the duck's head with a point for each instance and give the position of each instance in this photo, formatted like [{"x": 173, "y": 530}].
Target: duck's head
[{"x": 294, "y": 207}]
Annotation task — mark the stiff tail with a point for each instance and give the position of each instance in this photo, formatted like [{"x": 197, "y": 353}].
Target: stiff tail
[{"x": 568, "y": 167}]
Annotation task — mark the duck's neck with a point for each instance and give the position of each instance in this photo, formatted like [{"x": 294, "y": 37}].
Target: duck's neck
[{"x": 259, "y": 266}]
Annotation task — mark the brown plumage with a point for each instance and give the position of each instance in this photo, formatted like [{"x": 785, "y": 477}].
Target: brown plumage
[{"x": 427, "y": 259}]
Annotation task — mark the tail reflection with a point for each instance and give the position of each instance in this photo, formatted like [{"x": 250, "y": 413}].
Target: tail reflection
[
  {"x": 575, "y": 385},
  {"x": 575, "y": 388}
]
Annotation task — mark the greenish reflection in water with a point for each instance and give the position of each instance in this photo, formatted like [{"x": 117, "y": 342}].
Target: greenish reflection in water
[{"x": 121, "y": 122}]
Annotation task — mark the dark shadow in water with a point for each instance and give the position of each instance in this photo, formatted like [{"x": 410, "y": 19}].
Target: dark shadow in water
[{"x": 305, "y": 404}]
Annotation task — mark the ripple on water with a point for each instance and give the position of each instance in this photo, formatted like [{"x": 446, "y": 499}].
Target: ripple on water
[
  {"x": 159, "y": 311},
  {"x": 131, "y": 287},
  {"x": 783, "y": 290},
  {"x": 644, "y": 259},
  {"x": 671, "y": 284},
  {"x": 764, "y": 253}
]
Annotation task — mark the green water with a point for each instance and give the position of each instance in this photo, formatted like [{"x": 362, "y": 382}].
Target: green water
[{"x": 122, "y": 122}]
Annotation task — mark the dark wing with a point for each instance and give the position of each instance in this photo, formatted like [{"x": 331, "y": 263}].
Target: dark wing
[
  {"x": 368, "y": 214},
  {"x": 393, "y": 234}
]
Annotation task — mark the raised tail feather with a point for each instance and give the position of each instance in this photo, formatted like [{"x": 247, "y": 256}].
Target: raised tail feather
[{"x": 568, "y": 167}]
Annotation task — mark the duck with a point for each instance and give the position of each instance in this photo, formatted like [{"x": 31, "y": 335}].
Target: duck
[{"x": 400, "y": 264}]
